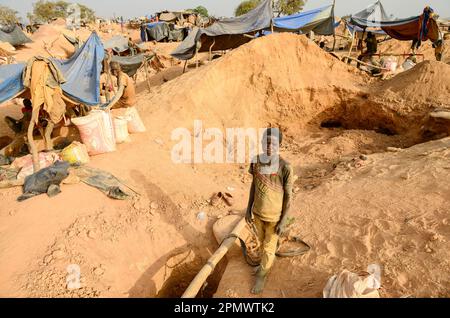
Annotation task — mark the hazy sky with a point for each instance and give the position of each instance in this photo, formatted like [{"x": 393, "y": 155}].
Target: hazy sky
[{"x": 134, "y": 8}]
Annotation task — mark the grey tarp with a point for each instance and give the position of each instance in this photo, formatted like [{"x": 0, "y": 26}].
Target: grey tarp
[
  {"x": 164, "y": 31},
  {"x": 13, "y": 35},
  {"x": 158, "y": 32},
  {"x": 226, "y": 33},
  {"x": 129, "y": 64},
  {"x": 374, "y": 12},
  {"x": 117, "y": 43}
]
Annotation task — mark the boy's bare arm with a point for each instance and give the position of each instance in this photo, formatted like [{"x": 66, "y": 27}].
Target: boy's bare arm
[{"x": 251, "y": 198}]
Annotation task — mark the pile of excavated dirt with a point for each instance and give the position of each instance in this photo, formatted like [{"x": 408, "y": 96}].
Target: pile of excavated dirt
[
  {"x": 280, "y": 79},
  {"x": 404, "y": 47},
  {"x": 427, "y": 82}
]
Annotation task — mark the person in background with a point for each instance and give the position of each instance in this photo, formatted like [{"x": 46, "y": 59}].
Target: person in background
[
  {"x": 126, "y": 93},
  {"x": 21, "y": 125},
  {"x": 371, "y": 50}
]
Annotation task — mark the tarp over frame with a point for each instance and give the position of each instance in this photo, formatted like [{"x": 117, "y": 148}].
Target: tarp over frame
[
  {"x": 374, "y": 12},
  {"x": 129, "y": 64},
  {"x": 13, "y": 35},
  {"x": 354, "y": 28},
  {"x": 81, "y": 71},
  {"x": 117, "y": 43},
  {"x": 320, "y": 21},
  {"x": 422, "y": 27},
  {"x": 160, "y": 31},
  {"x": 226, "y": 33}
]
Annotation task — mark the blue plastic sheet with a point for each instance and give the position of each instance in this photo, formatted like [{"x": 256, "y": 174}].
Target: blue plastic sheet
[
  {"x": 299, "y": 20},
  {"x": 11, "y": 81},
  {"x": 355, "y": 28},
  {"x": 81, "y": 71},
  {"x": 320, "y": 20}
]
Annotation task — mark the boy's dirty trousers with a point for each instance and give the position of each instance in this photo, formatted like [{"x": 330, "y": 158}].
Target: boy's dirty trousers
[{"x": 268, "y": 238}]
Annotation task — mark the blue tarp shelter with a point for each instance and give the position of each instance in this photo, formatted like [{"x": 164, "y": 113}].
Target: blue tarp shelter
[
  {"x": 81, "y": 71},
  {"x": 320, "y": 21}
]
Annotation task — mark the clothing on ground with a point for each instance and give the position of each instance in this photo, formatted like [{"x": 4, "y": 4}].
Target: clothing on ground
[{"x": 103, "y": 181}]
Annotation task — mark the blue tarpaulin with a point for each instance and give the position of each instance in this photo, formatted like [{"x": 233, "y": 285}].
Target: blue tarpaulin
[
  {"x": 10, "y": 81},
  {"x": 320, "y": 21},
  {"x": 81, "y": 71},
  {"x": 355, "y": 28}
]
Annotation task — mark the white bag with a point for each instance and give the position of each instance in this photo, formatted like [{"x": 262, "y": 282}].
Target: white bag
[
  {"x": 121, "y": 129},
  {"x": 351, "y": 285},
  {"x": 135, "y": 124},
  {"x": 97, "y": 132}
]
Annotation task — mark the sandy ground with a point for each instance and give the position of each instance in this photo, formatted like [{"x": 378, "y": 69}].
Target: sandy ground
[{"x": 390, "y": 208}]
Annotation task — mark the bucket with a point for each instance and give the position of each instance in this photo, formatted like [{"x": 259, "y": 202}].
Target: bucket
[
  {"x": 135, "y": 124},
  {"x": 97, "y": 132},
  {"x": 75, "y": 154},
  {"x": 121, "y": 129}
]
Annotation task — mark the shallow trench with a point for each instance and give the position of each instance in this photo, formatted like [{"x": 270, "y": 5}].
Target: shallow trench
[{"x": 362, "y": 113}]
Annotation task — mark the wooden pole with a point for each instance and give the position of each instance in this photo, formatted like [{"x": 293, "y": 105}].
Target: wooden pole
[
  {"x": 367, "y": 64},
  {"x": 351, "y": 45},
  {"x": 31, "y": 144},
  {"x": 210, "y": 49},
  {"x": 334, "y": 29},
  {"x": 204, "y": 273}
]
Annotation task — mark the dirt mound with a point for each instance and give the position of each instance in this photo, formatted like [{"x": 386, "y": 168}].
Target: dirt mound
[
  {"x": 404, "y": 47},
  {"x": 282, "y": 79},
  {"x": 428, "y": 81},
  {"x": 49, "y": 39}
]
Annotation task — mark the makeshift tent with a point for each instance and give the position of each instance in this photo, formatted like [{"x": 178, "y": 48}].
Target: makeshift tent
[
  {"x": 161, "y": 31},
  {"x": 418, "y": 28},
  {"x": 129, "y": 64},
  {"x": 117, "y": 43},
  {"x": 81, "y": 71},
  {"x": 13, "y": 35},
  {"x": 375, "y": 12},
  {"x": 320, "y": 21},
  {"x": 226, "y": 33},
  {"x": 145, "y": 27},
  {"x": 354, "y": 28}
]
